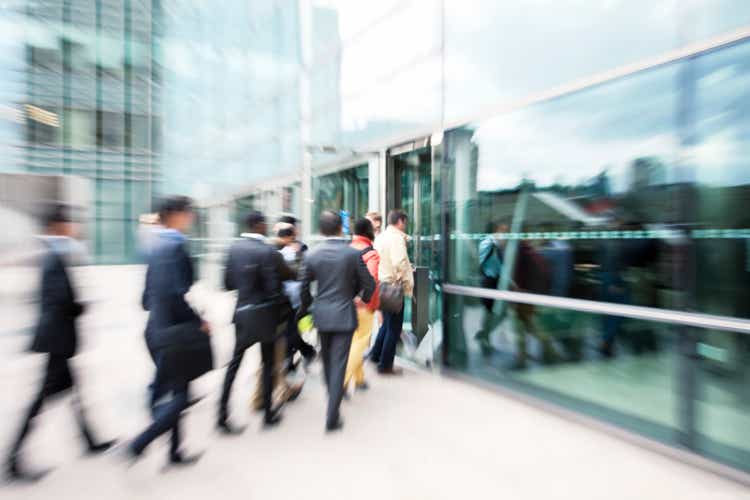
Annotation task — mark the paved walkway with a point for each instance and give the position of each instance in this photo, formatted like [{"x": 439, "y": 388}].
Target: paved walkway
[{"x": 417, "y": 437}]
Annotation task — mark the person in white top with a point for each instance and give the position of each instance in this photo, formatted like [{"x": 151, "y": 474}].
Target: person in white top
[{"x": 394, "y": 268}]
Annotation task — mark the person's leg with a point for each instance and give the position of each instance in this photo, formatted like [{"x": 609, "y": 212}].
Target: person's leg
[
  {"x": 325, "y": 351},
  {"x": 395, "y": 324},
  {"x": 232, "y": 368},
  {"x": 166, "y": 417},
  {"x": 360, "y": 342},
  {"x": 376, "y": 352},
  {"x": 267, "y": 353},
  {"x": 338, "y": 354}
]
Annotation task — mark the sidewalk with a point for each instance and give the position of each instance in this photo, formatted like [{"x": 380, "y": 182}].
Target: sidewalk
[{"x": 416, "y": 437}]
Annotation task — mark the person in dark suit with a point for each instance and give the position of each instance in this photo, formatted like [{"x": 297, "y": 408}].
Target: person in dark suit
[
  {"x": 169, "y": 277},
  {"x": 56, "y": 336},
  {"x": 256, "y": 270},
  {"x": 341, "y": 275}
]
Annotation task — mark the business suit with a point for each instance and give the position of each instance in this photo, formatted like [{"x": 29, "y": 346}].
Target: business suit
[
  {"x": 255, "y": 270},
  {"x": 57, "y": 337},
  {"x": 169, "y": 277},
  {"x": 341, "y": 275}
]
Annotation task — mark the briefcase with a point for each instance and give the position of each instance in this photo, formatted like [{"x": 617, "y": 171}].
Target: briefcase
[
  {"x": 186, "y": 352},
  {"x": 257, "y": 322},
  {"x": 391, "y": 297}
]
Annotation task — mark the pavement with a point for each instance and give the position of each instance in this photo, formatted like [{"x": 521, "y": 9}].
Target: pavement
[{"x": 420, "y": 436}]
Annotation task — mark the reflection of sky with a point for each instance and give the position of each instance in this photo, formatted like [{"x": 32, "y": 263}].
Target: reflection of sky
[{"x": 572, "y": 139}]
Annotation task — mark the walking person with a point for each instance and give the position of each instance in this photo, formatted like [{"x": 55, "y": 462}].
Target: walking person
[
  {"x": 362, "y": 242},
  {"x": 254, "y": 268},
  {"x": 56, "y": 336},
  {"x": 169, "y": 277},
  {"x": 395, "y": 269},
  {"x": 341, "y": 275}
]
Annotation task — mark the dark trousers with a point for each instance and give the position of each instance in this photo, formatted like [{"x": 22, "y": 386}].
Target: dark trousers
[
  {"x": 384, "y": 350},
  {"x": 168, "y": 400},
  {"x": 335, "y": 352},
  {"x": 295, "y": 342},
  {"x": 57, "y": 379},
  {"x": 267, "y": 359}
]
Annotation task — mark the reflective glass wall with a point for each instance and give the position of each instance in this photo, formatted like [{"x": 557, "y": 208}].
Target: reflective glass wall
[{"x": 631, "y": 192}]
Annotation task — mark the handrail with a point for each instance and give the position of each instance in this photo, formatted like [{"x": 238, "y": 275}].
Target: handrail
[{"x": 684, "y": 318}]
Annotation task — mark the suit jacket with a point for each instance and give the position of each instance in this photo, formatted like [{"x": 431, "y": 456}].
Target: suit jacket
[
  {"x": 56, "y": 331},
  {"x": 341, "y": 275},
  {"x": 169, "y": 277},
  {"x": 256, "y": 270}
]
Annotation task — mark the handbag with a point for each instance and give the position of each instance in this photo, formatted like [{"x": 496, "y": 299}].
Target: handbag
[
  {"x": 186, "y": 352},
  {"x": 257, "y": 322},
  {"x": 391, "y": 297}
]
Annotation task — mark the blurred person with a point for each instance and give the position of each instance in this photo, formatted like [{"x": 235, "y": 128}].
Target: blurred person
[
  {"x": 491, "y": 250},
  {"x": 362, "y": 242},
  {"x": 254, "y": 269},
  {"x": 377, "y": 223},
  {"x": 169, "y": 276},
  {"x": 341, "y": 275},
  {"x": 56, "y": 336},
  {"x": 396, "y": 269},
  {"x": 531, "y": 275},
  {"x": 294, "y": 252}
]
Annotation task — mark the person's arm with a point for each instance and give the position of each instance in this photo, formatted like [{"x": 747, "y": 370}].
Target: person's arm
[
  {"x": 183, "y": 282},
  {"x": 229, "y": 283},
  {"x": 146, "y": 288},
  {"x": 402, "y": 267},
  {"x": 273, "y": 268},
  {"x": 366, "y": 283},
  {"x": 306, "y": 276}
]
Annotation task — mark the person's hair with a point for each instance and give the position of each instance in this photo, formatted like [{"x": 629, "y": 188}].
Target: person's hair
[
  {"x": 174, "y": 204},
  {"x": 375, "y": 216},
  {"x": 330, "y": 223},
  {"x": 364, "y": 227},
  {"x": 289, "y": 219},
  {"x": 494, "y": 225},
  {"x": 55, "y": 213},
  {"x": 285, "y": 230},
  {"x": 254, "y": 218},
  {"x": 396, "y": 216}
]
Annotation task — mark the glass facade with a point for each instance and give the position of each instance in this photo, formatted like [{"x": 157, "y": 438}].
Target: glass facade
[{"x": 626, "y": 193}]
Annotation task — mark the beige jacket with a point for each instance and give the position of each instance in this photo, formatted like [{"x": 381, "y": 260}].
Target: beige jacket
[{"x": 394, "y": 261}]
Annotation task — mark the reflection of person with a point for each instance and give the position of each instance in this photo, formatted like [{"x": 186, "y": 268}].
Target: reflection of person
[
  {"x": 490, "y": 268},
  {"x": 253, "y": 268},
  {"x": 363, "y": 238},
  {"x": 341, "y": 275},
  {"x": 532, "y": 276},
  {"x": 56, "y": 336},
  {"x": 394, "y": 268},
  {"x": 169, "y": 277}
]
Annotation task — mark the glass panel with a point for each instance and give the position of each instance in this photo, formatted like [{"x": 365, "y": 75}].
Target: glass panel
[
  {"x": 493, "y": 51},
  {"x": 551, "y": 353},
  {"x": 706, "y": 18},
  {"x": 721, "y": 202},
  {"x": 723, "y": 405},
  {"x": 347, "y": 191},
  {"x": 573, "y": 197}
]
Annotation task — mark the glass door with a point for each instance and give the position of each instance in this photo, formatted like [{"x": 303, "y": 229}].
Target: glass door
[{"x": 410, "y": 188}]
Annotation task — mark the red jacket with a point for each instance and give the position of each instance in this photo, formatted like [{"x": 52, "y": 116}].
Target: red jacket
[{"x": 372, "y": 261}]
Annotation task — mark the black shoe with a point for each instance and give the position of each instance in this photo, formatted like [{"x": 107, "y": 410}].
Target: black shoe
[
  {"x": 15, "y": 473},
  {"x": 392, "y": 371},
  {"x": 272, "y": 420},
  {"x": 362, "y": 387},
  {"x": 228, "y": 429},
  {"x": 336, "y": 426},
  {"x": 95, "y": 449},
  {"x": 180, "y": 460}
]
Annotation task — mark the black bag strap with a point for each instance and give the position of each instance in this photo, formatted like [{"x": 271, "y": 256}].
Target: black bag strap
[{"x": 366, "y": 250}]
